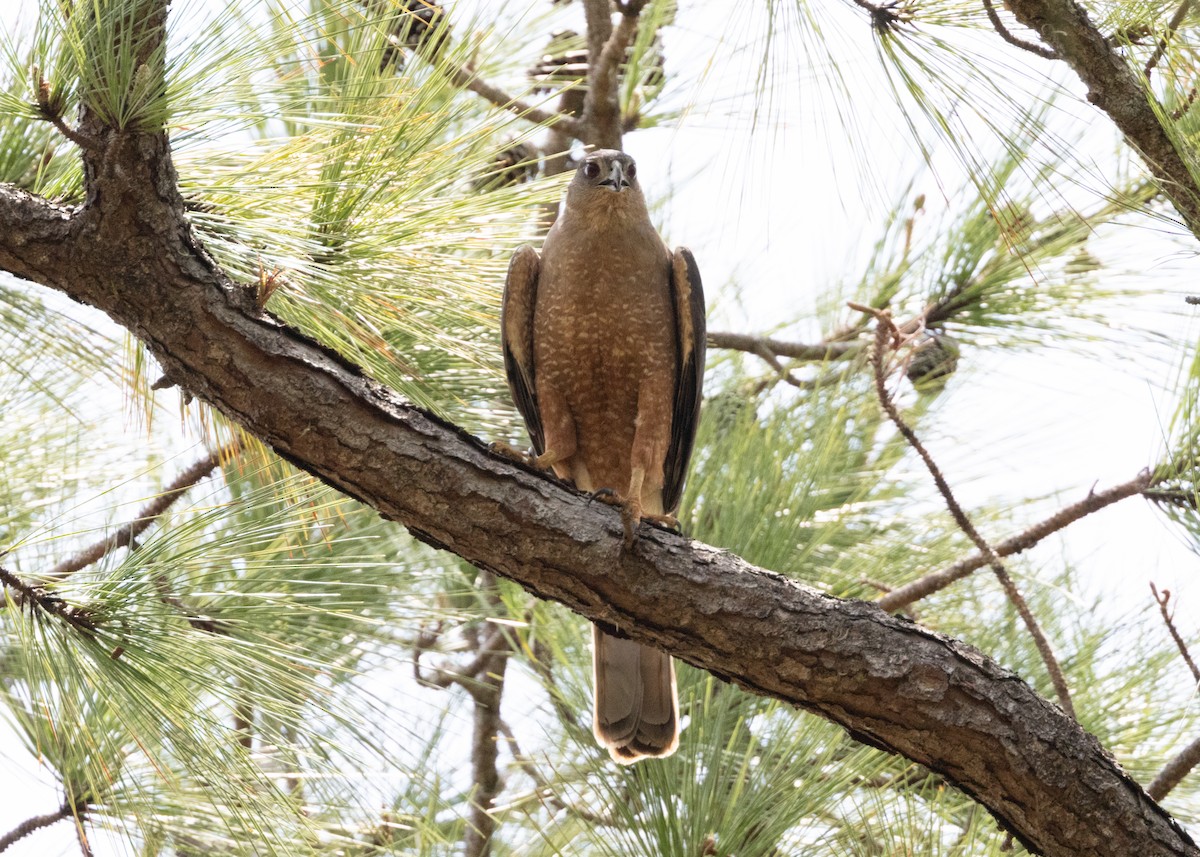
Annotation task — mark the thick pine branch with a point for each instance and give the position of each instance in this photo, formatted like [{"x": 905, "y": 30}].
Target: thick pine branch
[
  {"x": 1117, "y": 89},
  {"x": 890, "y": 683}
]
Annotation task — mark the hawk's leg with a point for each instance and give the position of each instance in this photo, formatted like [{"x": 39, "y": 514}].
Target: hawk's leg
[
  {"x": 633, "y": 511},
  {"x": 546, "y": 460},
  {"x": 562, "y": 441},
  {"x": 506, "y": 449}
]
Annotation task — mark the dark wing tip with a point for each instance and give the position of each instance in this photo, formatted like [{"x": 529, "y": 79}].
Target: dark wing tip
[
  {"x": 687, "y": 295},
  {"x": 516, "y": 338}
]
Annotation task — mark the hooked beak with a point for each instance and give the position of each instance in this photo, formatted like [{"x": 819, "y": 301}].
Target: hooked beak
[{"x": 616, "y": 178}]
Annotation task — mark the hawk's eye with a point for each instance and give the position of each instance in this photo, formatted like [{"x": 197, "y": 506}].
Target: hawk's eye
[
  {"x": 591, "y": 169},
  {"x": 632, "y": 171}
]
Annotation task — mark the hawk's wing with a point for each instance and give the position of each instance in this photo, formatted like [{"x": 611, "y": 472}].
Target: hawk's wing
[
  {"x": 687, "y": 297},
  {"x": 516, "y": 338}
]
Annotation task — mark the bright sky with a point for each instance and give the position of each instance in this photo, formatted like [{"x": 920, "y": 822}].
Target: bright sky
[{"x": 785, "y": 213}]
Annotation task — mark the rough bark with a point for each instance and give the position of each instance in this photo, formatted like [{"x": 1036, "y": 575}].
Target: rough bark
[
  {"x": 1114, "y": 86},
  {"x": 890, "y": 683}
]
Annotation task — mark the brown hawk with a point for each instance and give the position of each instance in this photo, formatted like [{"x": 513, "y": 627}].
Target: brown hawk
[{"x": 603, "y": 340}]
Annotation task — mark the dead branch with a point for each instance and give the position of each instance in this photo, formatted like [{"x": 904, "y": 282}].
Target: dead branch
[
  {"x": 127, "y": 535},
  {"x": 1172, "y": 26},
  {"x": 1003, "y": 31},
  {"x": 909, "y": 593},
  {"x": 1168, "y": 619},
  {"x": 884, "y": 333},
  {"x": 1174, "y": 771}
]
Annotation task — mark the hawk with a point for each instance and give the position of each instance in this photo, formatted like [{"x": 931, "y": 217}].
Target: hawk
[{"x": 603, "y": 339}]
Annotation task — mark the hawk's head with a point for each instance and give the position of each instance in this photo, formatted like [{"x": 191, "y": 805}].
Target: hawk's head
[
  {"x": 606, "y": 183},
  {"x": 603, "y": 175}
]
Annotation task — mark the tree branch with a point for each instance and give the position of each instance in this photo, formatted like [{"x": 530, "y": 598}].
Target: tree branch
[
  {"x": 816, "y": 352},
  {"x": 127, "y": 534},
  {"x": 434, "y": 37},
  {"x": 884, "y": 331},
  {"x": 36, "y": 823},
  {"x": 607, "y": 45},
  {"x": 1117, "y": 90},
  {"x": 888, "y": 682},
  {"x": 1003, "y": 31},
  {"x": 909, "y": 593},
  {"x": 29, "y": 593},
  {"x": 1174, "y": 771},
  {"x": 1163, "y": 600},
  {"x": 1172, "y": 26},
  {"x": 468, "y": 78},
  {"x": 468, "y": 674},
  {"x": 486, "y": 693},
  {"x": 50, "y": 109}
]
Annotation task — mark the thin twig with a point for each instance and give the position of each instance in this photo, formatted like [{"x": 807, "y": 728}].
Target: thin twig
[
  {"x": 935, "y": 581},
  {"x": 544, "y": 788},
  {"x": 486, "y": 693},
  {"x": 884, "y": 332},
  {"x": 30, "y": 593},
  {"x": 30, "y": 825},
  {"x": 998, "y": 25},
  {"x": 127, "y": 534},
  {"x": 81, "y": 835},
  {"x": 1168, "y": 617},
  {"x": 1172, "y": 26},
  {"x": 467, "y": 78},
  {"x": 815, "y": 352},
  {"x": 1181, "y": 111},
  {"x": 52, "y": 113},
  {"x": 1174, "y": 771}
]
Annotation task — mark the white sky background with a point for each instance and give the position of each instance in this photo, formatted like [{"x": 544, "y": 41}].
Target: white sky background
[{"x": 781, "y": 213}]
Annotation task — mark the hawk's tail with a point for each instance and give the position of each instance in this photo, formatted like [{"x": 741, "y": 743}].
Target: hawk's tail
[{"x": 637, "y": 711}]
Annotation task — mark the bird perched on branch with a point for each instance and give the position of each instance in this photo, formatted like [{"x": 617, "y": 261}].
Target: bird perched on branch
[{"x": 603, "y": 339}]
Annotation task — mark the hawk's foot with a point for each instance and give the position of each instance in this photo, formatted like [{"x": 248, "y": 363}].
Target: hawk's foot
[
  {"x": 538, "y": 462},
  {"x": 605, "y": 495},
  {"x": 669, "y": 522},
  {"x": 511, "y": 452},
  {"x": 631, "y": 511},
  {"x": 632, "y": 514}
]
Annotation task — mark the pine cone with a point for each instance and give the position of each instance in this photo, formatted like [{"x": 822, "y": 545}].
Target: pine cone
[
  {"x": 565, "y": 62},
  {"x": 415, "y": 25},
  {"x": 512, "y": 165},
  {"x": 934, "y": 360}
]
